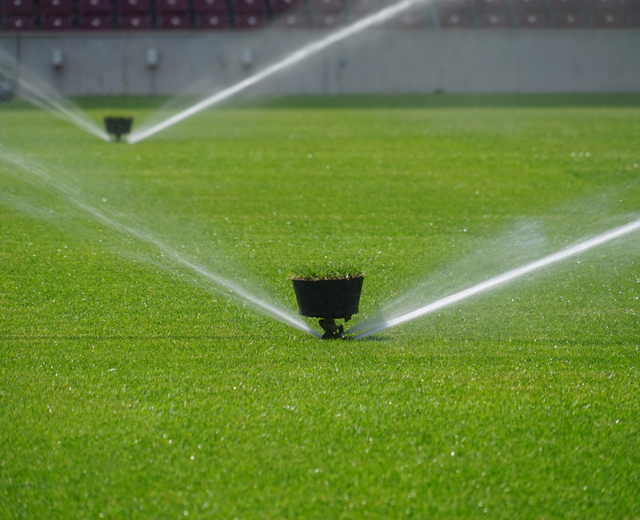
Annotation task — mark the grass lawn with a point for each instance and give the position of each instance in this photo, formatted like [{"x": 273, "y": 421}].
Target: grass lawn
[{"x": 132, "y": 387}]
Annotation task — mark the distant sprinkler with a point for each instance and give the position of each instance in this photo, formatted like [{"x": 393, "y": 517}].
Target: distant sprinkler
[
  {"x": 57, "y": 59},
  {"x": 329, "y": 300},
  {"x": 118, "y": 126}
]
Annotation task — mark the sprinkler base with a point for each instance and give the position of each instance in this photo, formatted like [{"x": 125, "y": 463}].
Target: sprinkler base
[{"x": 331, "y": 329}]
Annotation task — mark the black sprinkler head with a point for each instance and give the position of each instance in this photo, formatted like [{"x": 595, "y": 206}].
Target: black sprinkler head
[
  {"x": 329, "y": 300},
  {"x": 118, "y": 126}
]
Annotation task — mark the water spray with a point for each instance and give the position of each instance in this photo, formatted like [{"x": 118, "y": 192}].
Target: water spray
[
  {"x": 298, "y": 56},
  {"x": 373, "y": 325},
  {"x": 44, "y": 96},
  {"x": 37, "y": 173}
]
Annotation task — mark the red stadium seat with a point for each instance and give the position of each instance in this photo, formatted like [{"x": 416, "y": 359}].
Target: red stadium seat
[
  {"x": 489, "y": 5},
  {"x": 604, "y": 5},
  {"x": 250, "y": 20},
  {"x": 326, "y": 6},
  {"x": 633, "y": 6},
  {"x": 172, "y": 6},
  {"x": 291, "y": 21},
  {"x": 96, "y": 22},
  {"x": 609, "y": 19},
  {"x": 457, "y": 19},
  {"x": 56, "y": 22},
  {"x": 94, "y": 7},
  {"x": 250, "y": 6},
  {"x": 364, "y": 7},
  {"x": 565, "y": 5},
  {"x": 18, "y": 23},
  {"x": 570, "y": 20},
  {"x": 532, "y": 19},
  {"x": 528, "y": 5},
  {"x": 212, "y": 21},
  {"x": 210, "y": 6},
  {"x": 17, "y": 7},
  {"x": 494, "y": 20},
  {"x": 278, "y": 6},
  {"x": 134, "y": 6},
  {"x": 136, "y": 22},
  {"x": 56, "y": 7},
  {"x": 174, "y": 21},
  {"x": 411, "y": 19},
  {"x": 327, "y": 20}
]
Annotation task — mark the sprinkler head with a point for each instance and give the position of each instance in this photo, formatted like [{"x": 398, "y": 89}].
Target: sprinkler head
[
  {"x": 118, "y": 126},
  {"x": 329, "y": 300}
]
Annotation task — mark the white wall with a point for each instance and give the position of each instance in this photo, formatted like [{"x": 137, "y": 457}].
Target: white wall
[{"x": 379, "y": 61}]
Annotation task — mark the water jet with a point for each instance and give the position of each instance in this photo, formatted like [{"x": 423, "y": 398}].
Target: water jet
[
  {"x": 329, "y": 299},
  {"x": 118, "y": 126}
]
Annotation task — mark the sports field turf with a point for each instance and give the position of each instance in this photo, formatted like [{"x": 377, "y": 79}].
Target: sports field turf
[{"x": 131, "y": 388}]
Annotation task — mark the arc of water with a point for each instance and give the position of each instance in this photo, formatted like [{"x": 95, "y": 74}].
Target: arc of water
[
  {"x": 44, "y": 96},
  {"x": 371, "y": 328},
  {"x": 309, "y": 50},
  {"x": 65, "y": 189}
]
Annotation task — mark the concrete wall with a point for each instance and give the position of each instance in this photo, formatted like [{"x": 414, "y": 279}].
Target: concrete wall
[{"x": 378, "y": 61}]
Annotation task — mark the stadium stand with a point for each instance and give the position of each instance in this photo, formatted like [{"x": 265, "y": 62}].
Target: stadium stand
[{"x": 91, "y": 15}]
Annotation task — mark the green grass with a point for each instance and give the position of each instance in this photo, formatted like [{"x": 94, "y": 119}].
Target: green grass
[{"x": 130, "y": 389}]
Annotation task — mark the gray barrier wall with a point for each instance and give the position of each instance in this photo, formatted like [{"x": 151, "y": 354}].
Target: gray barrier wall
[{"x": 378, "y": 61}]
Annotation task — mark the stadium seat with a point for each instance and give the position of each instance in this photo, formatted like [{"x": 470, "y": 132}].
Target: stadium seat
[
  {"x": 326, "y": 6},
  {"x": 565, "y": 6},
  {"x": 411, "y": 19},
  {"x": 493, "y": 20},
  {"x": 94, "y": 7},
  {"x": 174, "y": 21},
  {"x": 212, "y": 21},
  {"x": 279, "y": 6},
  {"x": 458, "y": 19},
  {"x": 96, "y": 22},
  {"x": 532, "y": 19},
  {"x": 569, "y": 20},
  {"x": 529, "y": 5},
  {"x": 172, "y": 6},
  {"x": 327, "y": 20},
  {"x": 136, "y": 22},
  {"x": 609, "y": 19},
  {"x": 604, "y": 5},
  {"x": 134, "y": 6},
  {"x": 291, "y": 21},
  {"x": 211, "y": 6},
  {"x": 17, "y": 7},
  {"x": 364, "y": 7},
  {"x": 60, "y": 7},
  {"x": 489, "y": 5},
  {"x": 18, "y": 23},
  {"x": 56, "y": 22},
  {"x": 250, "y": 6},
  {"x": 250, "y": 20}
]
